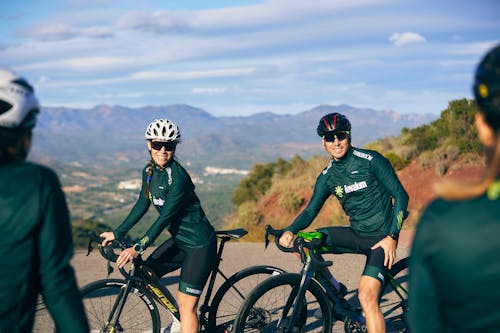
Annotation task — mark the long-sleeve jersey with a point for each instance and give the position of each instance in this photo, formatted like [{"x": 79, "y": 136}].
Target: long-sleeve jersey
[
  {"x": 172, "y": 193},
  {"x": 366, "y": 185},
  {"x": 36, "y": 248},
  {"x": 454, "y": 266}
]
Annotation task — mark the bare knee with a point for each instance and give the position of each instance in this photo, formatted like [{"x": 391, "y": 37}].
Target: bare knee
[
  {"x": 366, "y": 297},
  {"x": 187, "y": 304},
  {"x": 368, "y": 292}
]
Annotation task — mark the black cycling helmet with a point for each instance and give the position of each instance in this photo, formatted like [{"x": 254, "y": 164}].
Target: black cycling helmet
[
  {"x": 333, "y": 122},
  {"x": 18, "y": 103},
  {"x": 487, "y": 87}
]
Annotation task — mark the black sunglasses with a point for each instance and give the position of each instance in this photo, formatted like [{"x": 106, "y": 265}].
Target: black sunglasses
[
  {"x": 330, "y": 137},
  {"x": 158, "y": 145}
]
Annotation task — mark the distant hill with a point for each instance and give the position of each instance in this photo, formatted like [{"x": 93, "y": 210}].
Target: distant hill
[{"x": 114, "y": 135}]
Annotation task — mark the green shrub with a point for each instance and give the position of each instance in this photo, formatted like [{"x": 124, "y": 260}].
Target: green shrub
[
  {"x": 397, "y": 162},
  {"x": 291, "y": 202}
]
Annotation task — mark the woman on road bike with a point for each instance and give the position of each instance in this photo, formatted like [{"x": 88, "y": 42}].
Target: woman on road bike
[
  {"x": 372, "y": 196},
  {"x": 454, "y": 266},
  {"x": 168, "y": 186},
  {"x": 36, "y": 245}
]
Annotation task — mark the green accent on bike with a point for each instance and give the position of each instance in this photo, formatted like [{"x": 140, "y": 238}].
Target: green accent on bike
[{"x": 309, "y": 236}]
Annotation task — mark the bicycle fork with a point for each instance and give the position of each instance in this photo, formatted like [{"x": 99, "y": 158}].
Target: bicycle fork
[
  {"x": 113, "y": 323},
  {"x": 299, "y": 310}
]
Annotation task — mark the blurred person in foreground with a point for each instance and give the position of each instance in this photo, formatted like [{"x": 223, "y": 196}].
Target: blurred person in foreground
[
  {"x": 36, "y": 245},
  {"x": 367, "y": 187},
  {"x": 455, "y": 265}
]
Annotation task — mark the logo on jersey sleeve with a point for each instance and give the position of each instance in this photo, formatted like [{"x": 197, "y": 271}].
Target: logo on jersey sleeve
[
  {"x": 169, "y": 173},
  {"x": 327, "y": 167},
  {"x": 158, "y": 201},
  {"x": 363, "y": 155}
]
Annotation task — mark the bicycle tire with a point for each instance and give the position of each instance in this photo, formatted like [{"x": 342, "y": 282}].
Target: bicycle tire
[
  {"x": 264, "y": 305},
  {"x": 394, "y": 307},
  {"x": 99, "y": 297},
  {"x": 233, "y": 292}
]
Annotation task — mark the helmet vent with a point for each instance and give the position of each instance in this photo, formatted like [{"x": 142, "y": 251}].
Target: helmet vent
[{"x": 4, "y": 106}]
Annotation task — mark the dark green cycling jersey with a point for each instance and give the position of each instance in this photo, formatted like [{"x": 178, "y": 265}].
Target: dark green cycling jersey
[
  {"x": 35, "y": 250},
  {"x": 366, "y": 185},
  {"x": 172, "y": 193},
  {"x": 455, "y": 266}
]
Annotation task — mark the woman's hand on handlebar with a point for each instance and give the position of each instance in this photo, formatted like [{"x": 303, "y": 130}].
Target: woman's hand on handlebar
[
  {"x": 286, "y": 240},
  {"x": 108, "y": 236},
  {"x": 126, "y": 256}
]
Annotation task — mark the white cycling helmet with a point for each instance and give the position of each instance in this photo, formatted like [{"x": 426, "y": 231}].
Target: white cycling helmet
[
  {"x": 163, "y": 129},
  {"x": 18, "y": 103}
]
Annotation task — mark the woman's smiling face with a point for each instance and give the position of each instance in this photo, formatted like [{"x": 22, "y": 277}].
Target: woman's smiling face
[{"x": 161, "y": 151}]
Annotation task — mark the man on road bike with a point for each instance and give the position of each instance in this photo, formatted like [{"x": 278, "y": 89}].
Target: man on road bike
[
  {"x": 372, "y": 196},
  {"x": 168, "y": 186},
  {"x": 36, "y": 245}
]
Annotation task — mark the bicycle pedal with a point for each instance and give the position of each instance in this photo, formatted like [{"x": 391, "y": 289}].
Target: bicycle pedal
[
  {"x": 228, "y": 328},
  {"x": 354, "y": 326}
]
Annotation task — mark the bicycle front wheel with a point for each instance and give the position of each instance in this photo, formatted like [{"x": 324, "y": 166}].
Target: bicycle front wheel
[
  {"x": 101, "y": 299},
  {"x": 270, "y": 306},
  {"x": 393, "y": 298},
  {"x": 232, "y": 293}
]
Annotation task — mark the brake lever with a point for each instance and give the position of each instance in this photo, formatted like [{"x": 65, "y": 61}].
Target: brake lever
[
  {"x": 89, "y": 247},
  {"x": 266, "y": 239}
]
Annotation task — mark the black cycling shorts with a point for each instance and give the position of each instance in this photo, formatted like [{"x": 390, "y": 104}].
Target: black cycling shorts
[
  {"x": 195, "y": 264},
  {"x": 346, "y": 240}
]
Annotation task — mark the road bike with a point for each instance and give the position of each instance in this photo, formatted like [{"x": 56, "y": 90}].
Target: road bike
[
  {"x": 313, "y": 300},
  {"x": 131, "y": 304}
]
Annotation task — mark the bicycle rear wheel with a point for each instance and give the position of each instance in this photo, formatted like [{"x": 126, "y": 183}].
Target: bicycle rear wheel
[
  {"x": 232, "y": 293},
  {"x": 393, "y": 298},
  {"x": 139, "y": 313},
  {"x": 271, "y": 305}
]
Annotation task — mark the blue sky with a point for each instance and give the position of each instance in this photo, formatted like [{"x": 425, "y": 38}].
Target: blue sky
[{"x": 244, "y": 57}]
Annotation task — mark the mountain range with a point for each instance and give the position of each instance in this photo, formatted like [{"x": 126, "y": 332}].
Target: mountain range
[{"x": 114, "y": 135}]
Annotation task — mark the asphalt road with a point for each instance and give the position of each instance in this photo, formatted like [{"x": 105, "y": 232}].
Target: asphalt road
[{"x": 238, "y": 255}]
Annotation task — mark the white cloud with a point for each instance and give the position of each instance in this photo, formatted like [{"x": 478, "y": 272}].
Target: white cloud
[
  {"x": 236, "y": 18},
  {"x": 403, "y": 38},
  {"x": 83, "y": 63},
  {"x": 62, "y": 31},
  {"x": 208, "y": 91},
  {"x": 195, "y": 74}
]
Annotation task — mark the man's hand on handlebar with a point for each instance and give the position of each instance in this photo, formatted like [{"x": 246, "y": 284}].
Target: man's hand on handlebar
[{"x": 286, "y": 240}]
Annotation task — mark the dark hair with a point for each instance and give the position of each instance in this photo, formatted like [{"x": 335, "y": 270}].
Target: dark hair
[
  {"x": 149, "y": 174},
  {"x": 487, "y": 87},
  {"x": 11, "y": 147}
]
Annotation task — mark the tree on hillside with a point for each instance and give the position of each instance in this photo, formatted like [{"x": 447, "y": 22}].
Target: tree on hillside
[{"x": 259, "y": 180}]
